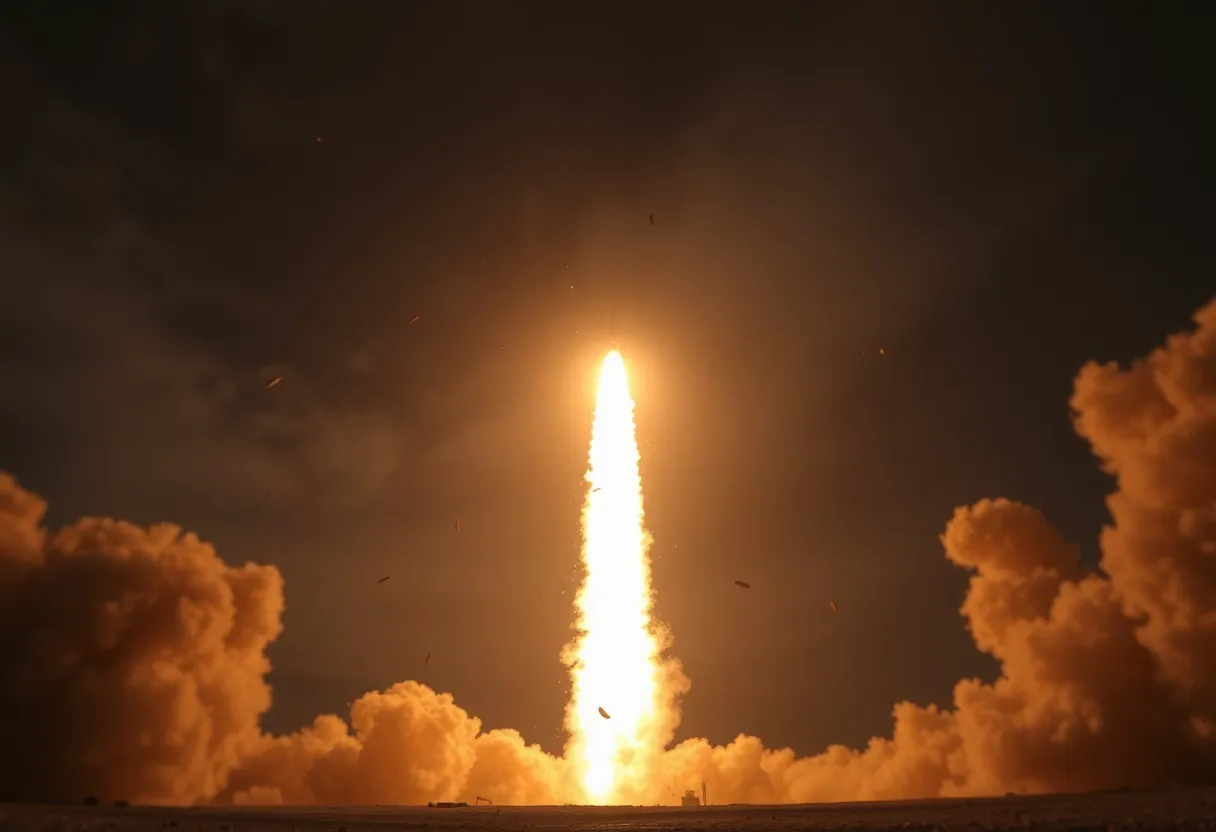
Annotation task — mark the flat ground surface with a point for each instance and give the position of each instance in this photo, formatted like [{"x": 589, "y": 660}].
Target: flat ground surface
[{"x": 1137, "y": 810}]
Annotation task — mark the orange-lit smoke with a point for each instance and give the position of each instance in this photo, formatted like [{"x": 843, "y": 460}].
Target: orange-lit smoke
[
  {"x": 135, "y": 659},
  {"x": 618, "y": 701}
]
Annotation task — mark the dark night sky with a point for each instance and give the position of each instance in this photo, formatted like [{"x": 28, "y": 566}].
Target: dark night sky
[{"x": 993, "y": 193}]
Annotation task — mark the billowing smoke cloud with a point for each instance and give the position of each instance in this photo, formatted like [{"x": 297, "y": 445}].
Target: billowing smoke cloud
[
  {"x": 135, "y": 664},
  {"x": 409, "y": 745},
  {"x": 1107, "y": 680},
  {"x": 135, "y": 658}
]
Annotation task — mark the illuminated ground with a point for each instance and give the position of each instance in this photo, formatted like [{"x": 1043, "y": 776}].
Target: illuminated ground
[{"x": 1183, "y": 810}]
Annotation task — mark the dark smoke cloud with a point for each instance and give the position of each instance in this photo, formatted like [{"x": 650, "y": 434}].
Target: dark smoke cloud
[{"x": 135, "y": 659}]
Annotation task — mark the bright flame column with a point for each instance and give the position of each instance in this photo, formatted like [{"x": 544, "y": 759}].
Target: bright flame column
[{"x": 614, "y": 659}]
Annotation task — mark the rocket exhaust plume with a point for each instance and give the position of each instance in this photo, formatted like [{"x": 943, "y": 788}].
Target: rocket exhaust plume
[{"x": 614, "y": 658}]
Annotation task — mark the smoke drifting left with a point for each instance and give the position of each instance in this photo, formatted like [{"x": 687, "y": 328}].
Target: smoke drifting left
[
  {"x": 134, "y": 659},
  {"x": 135, "y": 668}
]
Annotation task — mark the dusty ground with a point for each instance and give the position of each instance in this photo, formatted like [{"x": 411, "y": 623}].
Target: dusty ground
[{"x": 1184, "y": 810}]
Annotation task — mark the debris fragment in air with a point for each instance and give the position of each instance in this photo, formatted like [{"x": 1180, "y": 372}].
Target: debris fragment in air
[
  {"x": 456, "y": 527},
  {"x": 881, "y": 351},
  {"x": 652, "y": 219},
  {"x": 832, "y": 604},
  {"x": 604, "y": 714},
  {"x": 415, "y": 319},
  {"x": 274, "y": 381},
  {"x": 427, "y": 662},
  {"x": 597, "y": 488},
  {"x": 743, "y": 584},
  {"x": 382, "y": 580}
]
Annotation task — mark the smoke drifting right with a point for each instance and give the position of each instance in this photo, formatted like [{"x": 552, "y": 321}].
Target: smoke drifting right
[{"x": 134, "y": 658}]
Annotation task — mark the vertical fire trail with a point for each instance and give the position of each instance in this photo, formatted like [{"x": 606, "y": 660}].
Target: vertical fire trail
[{"x": 614, "y": 657}]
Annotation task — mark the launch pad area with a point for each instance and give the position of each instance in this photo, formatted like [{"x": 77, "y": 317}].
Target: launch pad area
[{"x": 1176, "y": 810}]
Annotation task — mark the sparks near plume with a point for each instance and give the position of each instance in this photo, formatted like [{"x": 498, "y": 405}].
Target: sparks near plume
[{"x": 614, "y": 665}]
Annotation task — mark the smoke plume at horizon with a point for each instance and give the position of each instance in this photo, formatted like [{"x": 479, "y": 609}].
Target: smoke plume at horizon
[{"x": 136, "y": 658}]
